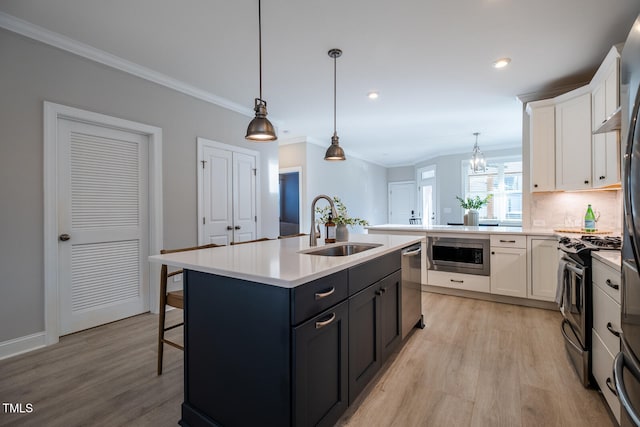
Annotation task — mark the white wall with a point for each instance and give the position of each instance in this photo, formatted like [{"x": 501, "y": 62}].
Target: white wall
[
  {"x": 361, "y": 185},
  {"x": 449, "y": 181},
  {"x": 31, "y": 73}
]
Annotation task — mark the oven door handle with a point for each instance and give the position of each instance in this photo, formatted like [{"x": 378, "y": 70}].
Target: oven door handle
[
  {"x": 566, "y": 337},
  {"x": 575, "y": 269},
  {"x": 618, "y": 365}
]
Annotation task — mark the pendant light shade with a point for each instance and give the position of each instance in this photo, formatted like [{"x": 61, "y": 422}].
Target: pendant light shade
[
  {"x": 334, "y": 152},
  {"x": 260, "y": 129},
  {"x": 477, "y": 163}
]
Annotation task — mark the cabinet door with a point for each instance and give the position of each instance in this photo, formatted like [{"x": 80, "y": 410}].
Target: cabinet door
[
  {"x": 509, "y": 272},
  {"x": 320, "y": 367},
  {"x": 542, "y": 147},
  {"x": 390, "y": 318},
  {"x": 606, "y": 159},
  {"x": 543, "y": 268},
  {"x": 364, "y": 339},
  {"x": 573, "y": 143}
]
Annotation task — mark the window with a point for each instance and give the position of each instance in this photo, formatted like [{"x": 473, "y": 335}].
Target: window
[{"x": 502, "y": 179}]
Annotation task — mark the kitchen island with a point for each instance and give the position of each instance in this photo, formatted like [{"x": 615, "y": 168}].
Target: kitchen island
[{"x": 276, "y": 336}]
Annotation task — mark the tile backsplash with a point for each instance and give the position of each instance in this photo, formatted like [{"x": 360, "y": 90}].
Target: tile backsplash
[{"x": 566, "y": 210}]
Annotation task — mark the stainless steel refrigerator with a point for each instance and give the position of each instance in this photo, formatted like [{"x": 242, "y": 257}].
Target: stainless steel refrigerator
[{"x": 627, "y": 363}]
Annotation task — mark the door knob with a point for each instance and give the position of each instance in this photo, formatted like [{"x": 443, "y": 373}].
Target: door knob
[
  {"x": 237, "y": 227},
  {"x": 64, "y": 237},
  {"x": 229, "y": 227}
]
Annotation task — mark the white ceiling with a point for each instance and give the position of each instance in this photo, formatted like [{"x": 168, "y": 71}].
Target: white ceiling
[{"x": 431, "y": 61}]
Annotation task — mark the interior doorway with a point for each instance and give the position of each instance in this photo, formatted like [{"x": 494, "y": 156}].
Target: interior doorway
[
  {"x": 427, "y": 194},
  {"x": 290, "y": 201},
  {"x": 103, "y": 217}
]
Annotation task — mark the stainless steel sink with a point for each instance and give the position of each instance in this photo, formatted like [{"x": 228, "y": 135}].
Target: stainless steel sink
[{"x": 344, "y": 249}]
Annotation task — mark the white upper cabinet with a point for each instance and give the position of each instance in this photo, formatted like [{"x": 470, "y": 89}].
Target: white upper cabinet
[
  {"x": 573, "y": 141},
  {"x": 605, "y": 103},
  {"x": 542, "y": 145}
]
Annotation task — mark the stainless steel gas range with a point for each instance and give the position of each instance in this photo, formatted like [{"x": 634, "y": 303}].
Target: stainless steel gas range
[{"x": 575, "y": 297}]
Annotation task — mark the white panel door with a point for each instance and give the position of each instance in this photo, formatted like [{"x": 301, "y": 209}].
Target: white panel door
[
  {"x": 402, "y": 200},
  {"x": 226, "y": 193},
  {"x": 244, "y": 197},
  {"x": 103, "y": 225},
  {"x": 217, "y": 196}
]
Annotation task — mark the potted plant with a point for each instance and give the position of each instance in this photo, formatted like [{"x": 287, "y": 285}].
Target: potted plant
[
  {"x": 472, "y": 205},
  {"x": 341, "y": 221}
]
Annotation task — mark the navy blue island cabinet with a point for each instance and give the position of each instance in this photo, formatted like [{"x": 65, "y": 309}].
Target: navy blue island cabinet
[{"x": 264, "y": 355}]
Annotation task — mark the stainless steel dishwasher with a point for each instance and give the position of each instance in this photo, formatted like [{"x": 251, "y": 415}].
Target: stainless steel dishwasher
[{"x": 411, "y": 288}]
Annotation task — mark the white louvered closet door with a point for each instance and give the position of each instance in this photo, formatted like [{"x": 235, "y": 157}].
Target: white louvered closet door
[{"x": 102, "y": 207}]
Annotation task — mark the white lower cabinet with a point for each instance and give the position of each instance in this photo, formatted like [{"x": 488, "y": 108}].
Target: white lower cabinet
[
  {"x": 542, "y": 267},
  {"x": 509, "y": 272},
  {"x": 606, "y": 327},
  {"x": 509, "y": 265},
  {"x": 467, "y": 282}
]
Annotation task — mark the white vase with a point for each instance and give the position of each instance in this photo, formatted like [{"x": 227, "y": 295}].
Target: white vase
[
  {"x": 342, "y": 233},
  {"x": 472, "y": 217}
]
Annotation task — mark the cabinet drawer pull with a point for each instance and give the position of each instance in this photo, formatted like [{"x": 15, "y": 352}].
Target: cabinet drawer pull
[
  {"x": 610, "y": 284},
  {"x": 507, "y": 241},
  {"x": 320, "y": 295},
  {"x": 602, "y": 177},
  {"x": 323, "y": 323},
  {"x": 613, "y": 331},
  {"x": 457, "y": 281},
  {"x": 610, "y": 386}
]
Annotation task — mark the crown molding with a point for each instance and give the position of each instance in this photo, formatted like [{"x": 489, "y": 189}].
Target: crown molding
[{"x": 35, "y": 32}]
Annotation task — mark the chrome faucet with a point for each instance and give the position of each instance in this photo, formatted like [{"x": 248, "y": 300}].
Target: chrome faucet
[{"x": 312, "y": 236}]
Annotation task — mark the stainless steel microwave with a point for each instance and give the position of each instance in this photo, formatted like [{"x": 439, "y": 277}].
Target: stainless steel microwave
[{"x": 458, "y": 255}]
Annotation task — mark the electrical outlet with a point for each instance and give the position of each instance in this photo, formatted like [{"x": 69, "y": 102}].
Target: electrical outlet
[
  {"x": 539, "y": 223},
  {"x": 177, "y": 278}
]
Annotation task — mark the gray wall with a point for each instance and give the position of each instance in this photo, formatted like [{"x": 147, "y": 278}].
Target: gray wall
[
  {"x": 31, "y": 73},
  {"x": 401, "y": 173},
  {"x": 449, "y": 181},
  {"x": 361, "y": 185}
]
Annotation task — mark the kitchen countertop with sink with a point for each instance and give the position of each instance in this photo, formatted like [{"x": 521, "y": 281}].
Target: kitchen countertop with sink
[{"x": 283, "y": 262}]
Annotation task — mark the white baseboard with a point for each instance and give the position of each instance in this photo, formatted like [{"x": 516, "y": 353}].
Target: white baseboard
[{"x": 22, "y": 345}]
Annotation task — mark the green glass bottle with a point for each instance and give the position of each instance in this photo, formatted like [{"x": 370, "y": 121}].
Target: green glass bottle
[{"x": 589, "y": 220}]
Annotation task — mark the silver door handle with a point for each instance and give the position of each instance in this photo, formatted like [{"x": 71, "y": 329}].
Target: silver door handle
[
  {"x": 323, "y": 323},
  {"x": 64, "y": 237},
  {"x": 320, "y": 295},
  {"x": 412, "y": 253}
]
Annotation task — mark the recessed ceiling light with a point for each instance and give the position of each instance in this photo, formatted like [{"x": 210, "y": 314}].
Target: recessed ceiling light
[
  {"x": 501, "y": 63},
  {"x": 373, "y": 95}
]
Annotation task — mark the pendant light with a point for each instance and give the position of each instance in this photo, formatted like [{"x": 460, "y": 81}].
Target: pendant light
[
  {"x": 334, "y": 152},
  {"x": 260, "y": 129},
  {"x": 477, "y": 162}
]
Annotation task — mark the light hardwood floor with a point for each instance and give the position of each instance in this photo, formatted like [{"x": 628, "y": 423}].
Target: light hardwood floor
[{"x": 477, "y": 363}]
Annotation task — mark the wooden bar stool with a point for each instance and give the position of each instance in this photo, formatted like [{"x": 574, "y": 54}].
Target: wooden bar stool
[{"x": 172, "y": 299}]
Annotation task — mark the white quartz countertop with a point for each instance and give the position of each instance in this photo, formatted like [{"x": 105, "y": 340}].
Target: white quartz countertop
[
  {"x": 611, "y": 258},
  {"x": 279, "y": 262},
  {"x": 463, "y": 229}
]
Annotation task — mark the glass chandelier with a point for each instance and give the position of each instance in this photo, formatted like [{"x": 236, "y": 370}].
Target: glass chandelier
[{"x": 477, "y": 163}]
